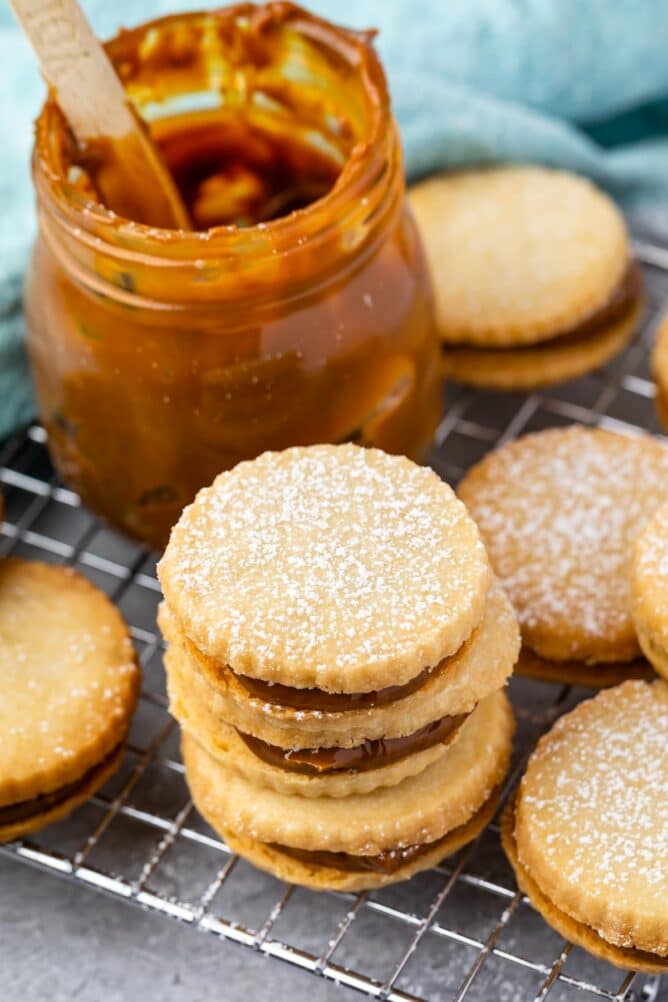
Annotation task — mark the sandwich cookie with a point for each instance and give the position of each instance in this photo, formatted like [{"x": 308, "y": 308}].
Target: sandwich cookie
[
  {"x": 560, "y": 511},
  {"x": 533, "y": 275},
  {"x": 68, "y": 687},
  {"x": 330, "y": 567},
  {"x": 587, "y": 834},
  {"x": 650, "y": 590},
  {"x": 333, "y": 627},
  {"x": 373, "y": 739},
  {"x": 364, "y": 840}
]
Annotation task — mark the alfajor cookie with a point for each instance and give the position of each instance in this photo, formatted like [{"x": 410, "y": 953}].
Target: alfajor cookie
[
  {"x": 559, "y": 512},
  {"x": 364, "y": 840},
  {"x": 587, "y": 834},
  {"x": 533, "y": 275},
  {"x": 68, "y": 687},
  {"x": 317, "y": 753},
  {"x": 334, "y": 631},
  {"x": 660, "y": 371},
  {"x": 292, "y": 717},
  {"x": 334, "y": 567},
  {"x": 650, "y": 590}
]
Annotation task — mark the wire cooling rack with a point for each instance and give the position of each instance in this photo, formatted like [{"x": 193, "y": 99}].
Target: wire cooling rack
[{"x": 459, "y": 931}]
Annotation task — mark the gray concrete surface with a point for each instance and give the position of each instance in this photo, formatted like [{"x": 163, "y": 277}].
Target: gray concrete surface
[{"x": 61, "y": 942}]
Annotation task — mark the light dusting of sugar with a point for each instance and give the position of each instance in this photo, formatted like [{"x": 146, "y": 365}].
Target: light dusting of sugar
[
  {"x": 596, "y": 795},
  {"x": 651, "y": 571},
  {"x": 326, "y": 557},
  {"x": 67, "y": 669},
  {"x": 560, "y": 511}
]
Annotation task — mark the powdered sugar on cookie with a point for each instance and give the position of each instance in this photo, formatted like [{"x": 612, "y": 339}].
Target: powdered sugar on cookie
[
  {"x": 650, "y": 590},
  {"x": 559, "y": 512},
  {"x": 650, "y": 572},
  {"x": 68, "y": 681},
  {"x": 331, "y": 565},
  {"x": 592, "y": 817}
]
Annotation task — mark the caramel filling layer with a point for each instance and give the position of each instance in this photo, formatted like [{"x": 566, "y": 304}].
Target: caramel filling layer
[
  {"x": 336, "y": 702},
  {"x": 24, "y": 810},
  {"x": 620, "y": 303},
  {"x": 385, "y": 862},
  {"x": 362, "y": 758},
  {"x": 390, "y": 860},
  {"x": 318, "y": 699}
]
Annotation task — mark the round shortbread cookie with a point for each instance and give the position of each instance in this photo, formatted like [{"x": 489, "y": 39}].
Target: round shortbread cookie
[
  {"x": 518, "y": 253},
  {"x": 560, "y": 511},
  {"x": 327, "y": 878},
  {"x": 536, "y": 366},
  {"x": 572, "y": 930},
  {"x": 650, "y": 590},
  {"x": 334, "y": 567},
  {"x": 480, "y": 667},
  {"x": 660, "y": 370},
  {"x": 69, "y": 679},
  {"x": 592, "y": 815},
  {"x": 420, "y": 809}
]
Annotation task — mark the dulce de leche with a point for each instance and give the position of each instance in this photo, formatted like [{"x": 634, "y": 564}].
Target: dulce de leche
[{"x": 297, "y": 311}]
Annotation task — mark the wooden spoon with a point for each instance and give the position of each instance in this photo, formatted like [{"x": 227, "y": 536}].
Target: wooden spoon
[{"x": 131, "y": 177}]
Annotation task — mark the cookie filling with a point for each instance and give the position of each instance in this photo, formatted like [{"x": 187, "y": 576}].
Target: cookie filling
[
  {"x": 339, "y": 702},
  {"x": 621, "y": 302},
  {"x": 362, "y": 758},
  {"x": 24, "y": 810},
  {"x": 318, "y": 699},
  {"x": 387, "y": 862}
]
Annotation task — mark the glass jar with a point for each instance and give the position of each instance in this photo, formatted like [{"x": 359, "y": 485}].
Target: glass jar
[{"x": 300, "y": 312}]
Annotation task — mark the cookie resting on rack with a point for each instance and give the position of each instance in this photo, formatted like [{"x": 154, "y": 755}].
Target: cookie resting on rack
[
  {"x": 69, "y": 683},
  {"x": 587, "y": 834},
  {"x": 337, "y": 647},
  {"x": 559, "y": 512},
  {"x": 533, "y": 274}
]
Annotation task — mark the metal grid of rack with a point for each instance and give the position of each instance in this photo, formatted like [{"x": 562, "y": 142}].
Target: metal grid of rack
[{"x": 459, "y": 931}]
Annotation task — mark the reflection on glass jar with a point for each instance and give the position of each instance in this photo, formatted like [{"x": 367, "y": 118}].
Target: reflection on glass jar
[{"x": 299, "y": 312}]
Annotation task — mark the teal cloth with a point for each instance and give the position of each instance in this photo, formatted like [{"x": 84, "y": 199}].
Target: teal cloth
[{"x": 560, "y": 82}]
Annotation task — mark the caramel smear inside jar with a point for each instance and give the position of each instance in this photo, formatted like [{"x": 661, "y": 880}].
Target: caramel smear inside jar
[
  {"x": 298, "y": 310},
  {"x": 259, "y": 153},
  {"x": 232, "y": 172}
]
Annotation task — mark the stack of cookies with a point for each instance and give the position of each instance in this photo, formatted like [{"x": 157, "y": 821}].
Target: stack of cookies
[
  {"x": 533, "y": 275},
  {"x": 337, "y": 650}
]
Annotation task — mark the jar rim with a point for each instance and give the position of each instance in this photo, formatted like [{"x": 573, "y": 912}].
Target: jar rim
[{"x": 359, "y": 174}]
